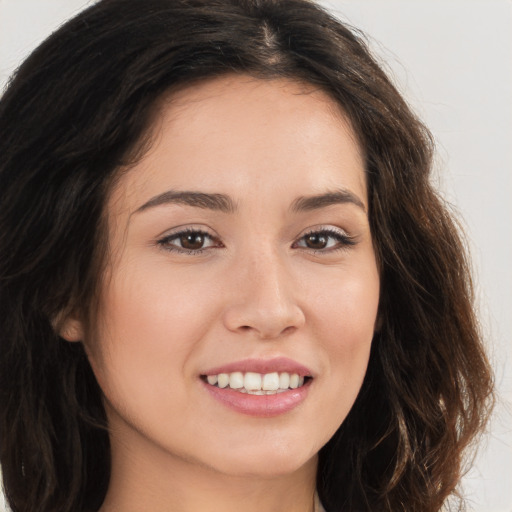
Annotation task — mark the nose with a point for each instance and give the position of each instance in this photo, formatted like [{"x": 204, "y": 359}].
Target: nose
[{"x": 265, "y": 298}]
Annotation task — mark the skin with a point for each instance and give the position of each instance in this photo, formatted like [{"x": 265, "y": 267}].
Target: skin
[{"x": 259, "y": 288}]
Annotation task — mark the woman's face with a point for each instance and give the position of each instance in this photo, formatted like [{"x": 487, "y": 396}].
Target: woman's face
[{"x": 240, "y": 247}]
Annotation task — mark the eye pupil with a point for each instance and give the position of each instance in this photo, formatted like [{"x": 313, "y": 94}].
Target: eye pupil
[
  {"x": 192, "y": 241},
  {"x": 316, "y": 241}
]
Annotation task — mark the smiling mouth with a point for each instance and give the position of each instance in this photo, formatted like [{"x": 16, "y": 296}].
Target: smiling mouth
[{"x": 256, "y": 383}]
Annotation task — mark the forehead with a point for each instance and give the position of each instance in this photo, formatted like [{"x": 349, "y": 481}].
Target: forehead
[{"x": 230, "y": 134}]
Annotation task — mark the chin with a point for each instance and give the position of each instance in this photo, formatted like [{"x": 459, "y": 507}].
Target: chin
[{"x": 267, "y": 461}]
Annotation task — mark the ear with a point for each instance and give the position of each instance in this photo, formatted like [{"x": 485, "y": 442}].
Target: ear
[{"x": 69, "y": 328}]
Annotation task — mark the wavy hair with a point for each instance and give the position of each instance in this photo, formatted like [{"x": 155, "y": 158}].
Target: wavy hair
[{"x": 81, "y": 107}]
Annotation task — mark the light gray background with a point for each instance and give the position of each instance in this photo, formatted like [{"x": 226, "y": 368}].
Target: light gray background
[{"x": 453, "y": 60}]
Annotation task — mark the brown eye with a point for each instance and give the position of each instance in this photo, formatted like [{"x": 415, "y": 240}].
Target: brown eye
[
  {"x": 316, "y": 241},
  {"x": 325, "y": 240},
  {"x": 192, "y": 241},
  {"x": 189, "y": 242}
]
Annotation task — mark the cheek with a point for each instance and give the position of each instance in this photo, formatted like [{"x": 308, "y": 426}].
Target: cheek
[
  {"x": 346, "y": 306},
  {"x": 147, "y": 332},
  {"x": 345, "y": 314},
  {"x": 154, "y": 305}
]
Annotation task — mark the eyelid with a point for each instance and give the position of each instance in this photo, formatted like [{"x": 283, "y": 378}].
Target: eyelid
[
  {"x": 187, "y": 228},
  {"x": 324, "y": 228},
  {"x": 163, "y": 240},
  {"x": 345, "y": 240}
]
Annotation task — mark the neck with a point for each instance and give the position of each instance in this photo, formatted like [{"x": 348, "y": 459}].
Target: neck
[{"x": 150, "y": 480}]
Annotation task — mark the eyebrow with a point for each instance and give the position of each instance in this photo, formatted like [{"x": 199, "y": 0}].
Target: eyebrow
[
  {"x": 224, "y": 203},
  {"x": 340, "y": 196},
  {"x": 217, "y": 202}
]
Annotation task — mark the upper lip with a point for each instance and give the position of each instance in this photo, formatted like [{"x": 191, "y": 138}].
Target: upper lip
[{"x": 277, "y": 364}]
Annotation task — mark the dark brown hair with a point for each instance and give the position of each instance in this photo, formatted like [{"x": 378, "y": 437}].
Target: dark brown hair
[{"x": 78, "y": 109}]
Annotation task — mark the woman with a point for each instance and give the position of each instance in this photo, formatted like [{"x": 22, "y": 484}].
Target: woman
[{"x": 226, "y": 279}]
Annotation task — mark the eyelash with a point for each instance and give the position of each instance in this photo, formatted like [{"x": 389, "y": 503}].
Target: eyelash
[
  {"x": 343, "y": 240},
  {"x": 165, "y": 242}
]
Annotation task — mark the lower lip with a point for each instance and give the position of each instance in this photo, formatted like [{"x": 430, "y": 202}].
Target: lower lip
[{"x": 264, "y": 406}]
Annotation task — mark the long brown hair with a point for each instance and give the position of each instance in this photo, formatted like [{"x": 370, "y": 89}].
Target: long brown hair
[{"x": 80, "y": 107}]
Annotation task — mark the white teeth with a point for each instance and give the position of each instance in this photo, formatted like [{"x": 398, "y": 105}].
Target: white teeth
[
  {"x": 252, "y": 381},
  {"x": 223, "y": 380},
  {"x": 294, "y": 380},
  {"x": 270, "y": 382},
  {"x": 236, "y": 380},
  {"x": 284, "y": 380},
  {"x": 257, "y": 384}
]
